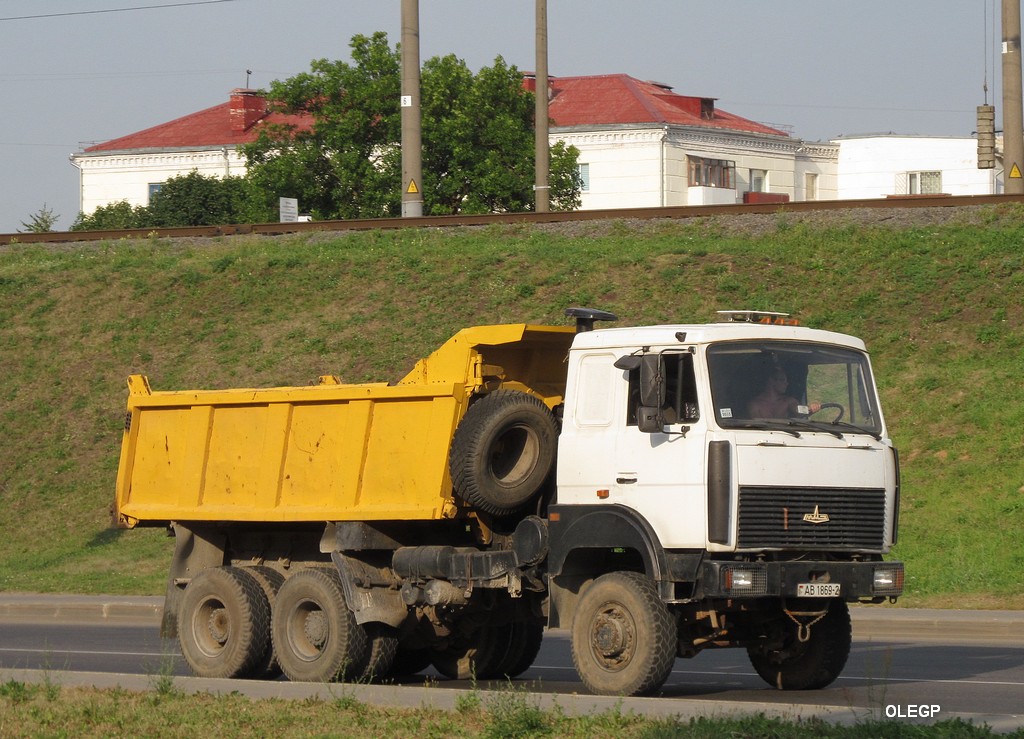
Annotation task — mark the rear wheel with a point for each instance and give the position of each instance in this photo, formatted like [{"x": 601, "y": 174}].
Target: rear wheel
[
  {"x": 810, "y": 664},
  {"x": 623, "y": 637},
  {"x": 474, "y": 656},
  {"x": 223, "y": 623},
  {"x": 270, "y": 580},
  {"x": 524, "y": 644},
  {"x": 315, "y": 636},
  {"x": 383, "y": 648}
]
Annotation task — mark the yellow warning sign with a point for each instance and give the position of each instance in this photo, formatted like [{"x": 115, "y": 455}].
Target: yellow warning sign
[
  {"x": 1014, "y": 172},
  {"x": 413, "y": 189}
]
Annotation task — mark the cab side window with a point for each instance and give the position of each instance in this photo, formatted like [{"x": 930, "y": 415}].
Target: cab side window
[{"x": 680, "y": 391}]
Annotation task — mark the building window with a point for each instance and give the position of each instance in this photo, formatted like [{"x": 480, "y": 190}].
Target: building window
[
  {"x": 584, "y": 176},
  {"x": 758, "y": 180},
  {"x": 154, "y": 188},
  {"x": 924, "y": 183},
  {"x": 810, "y": 186},
  {"x": 712, "y": 172}
]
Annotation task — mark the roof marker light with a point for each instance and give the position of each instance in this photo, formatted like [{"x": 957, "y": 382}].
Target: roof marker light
[{"x": 764, "y": 317}]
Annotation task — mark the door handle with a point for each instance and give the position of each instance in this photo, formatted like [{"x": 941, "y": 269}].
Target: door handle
[{"x": 625, "y": 480}]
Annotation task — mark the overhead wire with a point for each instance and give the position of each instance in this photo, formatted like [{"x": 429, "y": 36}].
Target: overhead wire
[{"x": 113, "y": 10}]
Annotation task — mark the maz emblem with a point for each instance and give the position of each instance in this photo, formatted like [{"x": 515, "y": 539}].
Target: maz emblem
[{"x": 816, "y": 517}]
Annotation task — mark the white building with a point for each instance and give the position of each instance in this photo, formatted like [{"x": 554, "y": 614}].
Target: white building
[
  {"x": 641, "y": 145},
  {"x": 891, "y": 165},
  {"x": 133, "y": 167}
]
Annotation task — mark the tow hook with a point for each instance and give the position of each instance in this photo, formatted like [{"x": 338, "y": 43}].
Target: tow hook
[{"x": 803, "y": 630}]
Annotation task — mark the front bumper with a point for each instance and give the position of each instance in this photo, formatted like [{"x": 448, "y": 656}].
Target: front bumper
[{"x": 858, "y": 581}]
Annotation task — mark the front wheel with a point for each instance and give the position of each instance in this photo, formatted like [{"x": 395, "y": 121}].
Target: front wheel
[
  {"x": 810, "y": 664},
  {"x": 623, "y": 637}
]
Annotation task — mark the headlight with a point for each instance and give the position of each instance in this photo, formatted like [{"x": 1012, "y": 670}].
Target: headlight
[
  {"x": 739, "y": 579},
  {"x": 888, "y": 580},
  {"x": 744, "y": 580}
]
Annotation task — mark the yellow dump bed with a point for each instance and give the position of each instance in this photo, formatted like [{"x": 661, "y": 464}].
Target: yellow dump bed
[{"x": 326, "y": 452}]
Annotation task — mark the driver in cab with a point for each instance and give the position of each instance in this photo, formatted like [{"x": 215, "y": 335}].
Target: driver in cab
[{"x": 774, "y": 402}]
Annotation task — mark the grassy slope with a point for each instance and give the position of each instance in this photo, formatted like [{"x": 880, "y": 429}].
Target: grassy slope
[{"x": 939, "y": 306}]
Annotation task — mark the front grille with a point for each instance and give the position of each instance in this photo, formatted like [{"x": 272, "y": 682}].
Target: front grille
[{"x": 784, "y": 518}]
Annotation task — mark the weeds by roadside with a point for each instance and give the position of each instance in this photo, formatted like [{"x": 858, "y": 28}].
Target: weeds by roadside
[{"x": 28, "y": 710}]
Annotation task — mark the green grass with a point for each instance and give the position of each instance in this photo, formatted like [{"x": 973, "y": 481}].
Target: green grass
[
  {"x": 28, "y": 710},
  {"x": 938, "y": 305}
]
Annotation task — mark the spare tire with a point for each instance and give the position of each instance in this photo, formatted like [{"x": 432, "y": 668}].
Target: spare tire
[{"x": 503, "y": 451}]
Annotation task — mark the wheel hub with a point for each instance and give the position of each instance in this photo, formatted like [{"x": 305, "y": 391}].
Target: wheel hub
[
  {"x": 218, "y": 625},
  {"x": 315, "y": 628},
  {"x": 612, "y": 638}
]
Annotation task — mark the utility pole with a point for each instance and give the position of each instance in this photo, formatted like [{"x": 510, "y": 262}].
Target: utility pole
[
  {"x": 541, "y": 188},
  {"x": 1013, "y": 116},
  {"x": 412, "y": 147}
]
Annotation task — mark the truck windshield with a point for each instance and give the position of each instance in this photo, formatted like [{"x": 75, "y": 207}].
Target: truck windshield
[{"x": 766, "y": 383}]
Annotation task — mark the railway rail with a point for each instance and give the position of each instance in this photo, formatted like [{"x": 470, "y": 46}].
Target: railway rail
[{"x": 364, "y": 224}]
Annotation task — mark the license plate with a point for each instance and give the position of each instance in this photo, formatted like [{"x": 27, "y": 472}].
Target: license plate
[{"x": 818, "y": 590}]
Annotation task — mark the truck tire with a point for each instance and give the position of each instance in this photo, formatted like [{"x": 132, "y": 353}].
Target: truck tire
[
  {"x": 524, "y": 644},
  {"x": 223, "y": 623},
  {"x": 383, "y": 641},
  {"x": 315, "y": 635},
  {"x": 809, "y": 665},
  {"x": 474, "y": 656},
  {"x": 503, "y": 451},
  {"x": 270, "y": 580},
  {"x": 623, "y": 637}
]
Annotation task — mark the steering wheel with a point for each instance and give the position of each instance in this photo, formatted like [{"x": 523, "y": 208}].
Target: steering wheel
[{"x": 824, "y": 406}]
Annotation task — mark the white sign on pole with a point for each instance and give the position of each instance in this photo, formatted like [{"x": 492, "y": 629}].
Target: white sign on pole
[{"x": 289, "y": 210}]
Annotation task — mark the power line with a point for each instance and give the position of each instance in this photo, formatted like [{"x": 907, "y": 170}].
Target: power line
[{"x": 113, "y": 10}]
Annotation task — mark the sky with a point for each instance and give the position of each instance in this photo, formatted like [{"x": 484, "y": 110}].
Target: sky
[{"x": 85, "y": 71}]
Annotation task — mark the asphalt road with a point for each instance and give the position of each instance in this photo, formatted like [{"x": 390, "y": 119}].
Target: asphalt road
[{"x": 967, "y": 664}]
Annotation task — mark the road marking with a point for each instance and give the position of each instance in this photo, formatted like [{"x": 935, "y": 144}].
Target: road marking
[
  {"x": 4, "y": 650},
  {"x": 866, "y": 678}
]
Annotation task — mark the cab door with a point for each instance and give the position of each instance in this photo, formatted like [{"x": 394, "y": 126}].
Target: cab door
[{"x": 661, "y": 474}]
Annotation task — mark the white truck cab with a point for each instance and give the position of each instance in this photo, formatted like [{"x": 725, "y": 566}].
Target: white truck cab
[
  {"x": 745, "y": 467},
  {"x": 838, "y": 459}
]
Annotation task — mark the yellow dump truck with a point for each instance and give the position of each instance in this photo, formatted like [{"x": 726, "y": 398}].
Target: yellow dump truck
[{"x": 614, "y": 481}]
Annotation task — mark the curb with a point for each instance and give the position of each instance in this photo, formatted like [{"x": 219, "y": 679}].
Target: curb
[
  {"x": 947, "y": 625},
  {"x": 42, "y": 607},
  {"x": 416, "y": 697}
]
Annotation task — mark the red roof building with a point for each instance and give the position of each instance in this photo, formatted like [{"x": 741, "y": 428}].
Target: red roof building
[
  {"x": 641, "y": 145},
  {"x": 617, "y": 99},
  {"x": 233, "y": 123}
]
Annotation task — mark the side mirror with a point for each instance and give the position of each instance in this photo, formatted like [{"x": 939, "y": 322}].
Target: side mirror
[
  {"x": 650, "y": 420},
  {"x": 650, "y": 417},
  {"x": 652, "y": 380}
]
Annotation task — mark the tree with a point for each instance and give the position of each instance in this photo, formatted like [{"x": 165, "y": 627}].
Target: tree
[
  {"x": 186, "y": 200},
  {"x": 196, "y": 200},
  {"x": 347, "y": 164},
  {"x": 41, "y": 222},
  {"x": 477, "y": 133},
  {"x": 111, "y": 217}
]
